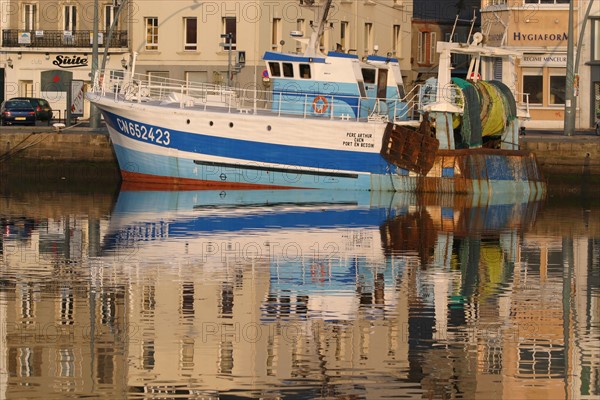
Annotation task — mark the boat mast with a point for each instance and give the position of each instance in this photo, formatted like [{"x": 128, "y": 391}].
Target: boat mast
[{"x": 313, "y": 48}]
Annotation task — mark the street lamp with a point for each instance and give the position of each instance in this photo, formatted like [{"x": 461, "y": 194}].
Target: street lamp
[
  {"x": 228, "y": 37},
  {"x": 9, "y": 62}
]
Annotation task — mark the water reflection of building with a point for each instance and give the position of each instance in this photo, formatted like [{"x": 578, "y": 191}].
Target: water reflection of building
[{"x": 420, "y": 301}]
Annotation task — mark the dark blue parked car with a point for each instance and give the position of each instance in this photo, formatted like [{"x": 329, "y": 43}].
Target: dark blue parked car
[{"x": 13, "y": 112}]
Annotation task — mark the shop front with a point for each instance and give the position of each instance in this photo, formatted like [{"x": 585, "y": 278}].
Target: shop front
[
  {"x": 543, "y": 79},
  {"x": 540, "y": 34},
  {"x": 43, "y": 75}
]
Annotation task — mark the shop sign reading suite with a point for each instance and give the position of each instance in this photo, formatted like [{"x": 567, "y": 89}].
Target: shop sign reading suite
[{"x": 70, "y": 61}]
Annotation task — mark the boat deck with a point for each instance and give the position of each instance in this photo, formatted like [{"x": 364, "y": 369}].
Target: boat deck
[{"x": 174, "y": 94}]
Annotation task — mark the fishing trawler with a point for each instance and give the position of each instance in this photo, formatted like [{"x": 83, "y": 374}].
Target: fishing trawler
[{"x": 329, "y": 121}]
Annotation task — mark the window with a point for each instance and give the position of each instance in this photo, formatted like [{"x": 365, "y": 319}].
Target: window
[
  {"x": 426, "y": 43},
  {"x": 190, "y": 26},
  {"x": 422, "y": 39},
  {"x": 432, "y": 45},
  {"x": 368, "y": 75},
  {"x": 299, "y": 28},
  {"x": 368, "y": 37},
  {"x": 230, "y": 26},
  {"x": 288, "y": 70},
  {"x": 275, "y": 69},
  {"x": 275, "y": 33},
  {"x": 196, "y": 77},
  {"x": 70, "y": 18},
  {"x": 533, "y": 84},
  {"x": 595, "y": 22},
  {"x": 109, "y": 16},
  {"x": 345, "y": 36},
  {"x": 546, "y": 1},
  {"x": 158, "y": 77},
  {"x": 557, "y": 88},
  {"x": 305, "y": 71},
  {"x": 29, "y": 17},
  {"x": 151, "y": 33},
  {"x": 396, "y": 40}
]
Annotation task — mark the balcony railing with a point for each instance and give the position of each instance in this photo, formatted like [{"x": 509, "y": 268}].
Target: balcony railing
[{"x": 20, "y": 38}]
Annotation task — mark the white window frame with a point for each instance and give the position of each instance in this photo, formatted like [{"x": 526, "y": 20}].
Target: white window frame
[
  {"x": 368, "y": 37},
  {"x": 109, "y": 16},
  {"x": 432, "y": 45},
  {"x": 555, "y": 72},
  {"x": 276, "y": 33},
  {"x": 421, "y": 43},
  {"x": 564, "y": 3},
  {"x": 396, "y": 43},
  {"x": 533, "y": 71},
  {"x": 29, "y": 17},
  {"x": 70, "y": 17},
  {"x": 345, "y": 40},
  {"x": 300, "y": 28},
  {"x": 151, "y": 27},
  {"x": 224, "y": 30},
  {"x": 190, "y": 45}
]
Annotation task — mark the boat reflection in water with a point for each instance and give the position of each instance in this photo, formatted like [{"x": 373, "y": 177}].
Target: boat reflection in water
[{"x": 317, "y": 293}]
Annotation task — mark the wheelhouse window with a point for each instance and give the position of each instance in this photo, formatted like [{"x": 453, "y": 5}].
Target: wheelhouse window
[
  {"x": 275, "y": 69},
  {"x": 230, "y": 27},
  {"x": 190, "y": 26},
  {"x": 29, "y": 17},
  {"x": 368, "y": 75},
  {"x": 304, "y": 71},
  {"x": 288, "y": 70},
  {"x": 151, "y": 33}
]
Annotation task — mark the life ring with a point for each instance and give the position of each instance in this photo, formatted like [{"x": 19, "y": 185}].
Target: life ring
[{"x": 320, "y": 104}]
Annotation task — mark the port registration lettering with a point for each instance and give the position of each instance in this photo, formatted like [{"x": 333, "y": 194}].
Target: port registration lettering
[
  {"x": 358, "y": 139},
  {"x": 141, "y": 131}
]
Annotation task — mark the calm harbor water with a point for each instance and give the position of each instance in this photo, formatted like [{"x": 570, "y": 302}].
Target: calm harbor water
[{"x": 297, "y": 294}]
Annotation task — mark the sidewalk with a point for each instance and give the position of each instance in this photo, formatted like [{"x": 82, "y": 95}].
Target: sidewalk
[
  {"x": 80, "y": 127},
  {"x": 558, "y": 136}
]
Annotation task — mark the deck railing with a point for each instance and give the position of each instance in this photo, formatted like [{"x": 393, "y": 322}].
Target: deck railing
[{"x": 142, "y": 88}]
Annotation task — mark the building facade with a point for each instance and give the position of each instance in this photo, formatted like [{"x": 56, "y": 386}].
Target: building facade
[
  {"x": 45, "y": 43},
  {"x": 185, "y": 42},
  {"x": 539, "y": 29},
  {"x": 440, "y": 20}
]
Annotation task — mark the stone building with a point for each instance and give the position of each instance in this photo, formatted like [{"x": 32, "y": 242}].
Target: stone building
[
  {"x": 539, "y": 29},
  {"x": 43, "y": 44},
  {"x": 185, "y": 42}
]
